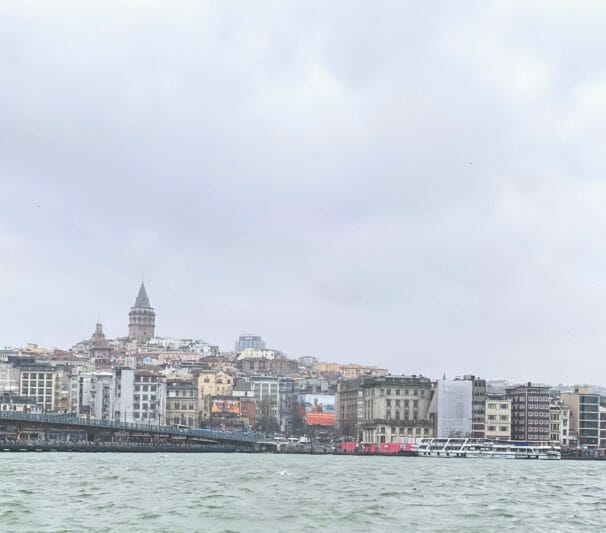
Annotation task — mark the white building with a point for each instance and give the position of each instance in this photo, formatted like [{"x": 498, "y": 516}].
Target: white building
[
  {"x": 9, "y": 377},
  {"x": 102, "y": 393},
  {"x": 38, "y": 381},
  {"x": 124, "y": 395},
  {"x": 79, "y": 394},
  {"x": 139, "y": 396},
  {"x": 252, "y": 353},
  {"x": 454, "y": 408}
]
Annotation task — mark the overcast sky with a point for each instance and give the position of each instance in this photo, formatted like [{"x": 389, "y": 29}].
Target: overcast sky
[{"x": 417, "y": 185}]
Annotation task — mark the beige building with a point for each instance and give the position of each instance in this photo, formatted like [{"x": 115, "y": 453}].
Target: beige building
[
  {"x": 350, "y": 371},
  {"x": 498, "y": 418},
  {"x": 212, "y": 384},
  {"x": 395, "y": 409},
  {"x": 584, "y": 405},
  {"x": 182, "y": 402},
  {"x": 559, "y": 419}
]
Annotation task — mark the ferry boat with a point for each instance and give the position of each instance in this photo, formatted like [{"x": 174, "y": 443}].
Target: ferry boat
[{"x": 482, "y": 448}]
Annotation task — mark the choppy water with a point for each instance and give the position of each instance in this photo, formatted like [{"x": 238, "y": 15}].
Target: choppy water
[{"x": 232, "y": 492}]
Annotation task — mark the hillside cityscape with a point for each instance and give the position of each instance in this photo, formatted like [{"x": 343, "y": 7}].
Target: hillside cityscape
[{"x": 190, "y": 383}]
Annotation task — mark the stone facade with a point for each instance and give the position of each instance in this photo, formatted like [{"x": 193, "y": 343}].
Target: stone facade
[
  {"x": 348, "y": 407},
  {"x": 395, "y": 408},
  {"x": 141, "y": 318}
]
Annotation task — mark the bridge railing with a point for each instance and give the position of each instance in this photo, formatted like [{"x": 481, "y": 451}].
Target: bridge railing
[{"x": 240, "y": 436}]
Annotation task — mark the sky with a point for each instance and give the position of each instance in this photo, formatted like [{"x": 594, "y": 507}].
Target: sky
[{"x": 412, "y": 184}]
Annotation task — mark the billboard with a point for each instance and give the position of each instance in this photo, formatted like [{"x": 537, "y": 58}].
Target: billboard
[
  {"x": 319, "y": 409},
  {"x": 225, "y": 407}
]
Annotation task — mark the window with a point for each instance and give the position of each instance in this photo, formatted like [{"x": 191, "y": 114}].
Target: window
[
  {"x": 492, "y": 406},
  {"x": 388, "y": 392},
  {"x": 504, "y": 406},
  {"x": 397, "y": 403},
  {"x": 388, "y": 403}
]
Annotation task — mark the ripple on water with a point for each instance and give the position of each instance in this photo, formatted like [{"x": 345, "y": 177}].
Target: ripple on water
[{"x": 214, "y": 492}]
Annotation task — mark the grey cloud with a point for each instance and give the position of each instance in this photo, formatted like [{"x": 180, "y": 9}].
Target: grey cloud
[{"x": 407, "y": 184}]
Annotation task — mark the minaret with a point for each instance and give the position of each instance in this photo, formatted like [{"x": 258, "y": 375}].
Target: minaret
[{"x": 141, "y": 318}]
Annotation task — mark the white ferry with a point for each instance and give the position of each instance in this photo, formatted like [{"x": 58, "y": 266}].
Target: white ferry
[{"x": 481, "y": 448}]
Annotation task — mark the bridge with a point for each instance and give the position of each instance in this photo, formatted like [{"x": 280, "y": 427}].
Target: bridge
[{"x": 40, "y": 429}]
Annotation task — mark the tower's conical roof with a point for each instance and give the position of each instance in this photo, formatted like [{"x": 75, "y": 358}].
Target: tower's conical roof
[{"x": 142, "y": 298}]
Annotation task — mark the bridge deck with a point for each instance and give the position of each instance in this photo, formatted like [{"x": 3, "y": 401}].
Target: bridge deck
[{"x": 63, "y": 420}]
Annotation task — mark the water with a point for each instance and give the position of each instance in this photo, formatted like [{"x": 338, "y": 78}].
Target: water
[{"x": 240, "y": 492}]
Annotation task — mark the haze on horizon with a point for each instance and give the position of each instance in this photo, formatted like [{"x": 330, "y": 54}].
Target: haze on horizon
[{"x": 417, "y": 186}]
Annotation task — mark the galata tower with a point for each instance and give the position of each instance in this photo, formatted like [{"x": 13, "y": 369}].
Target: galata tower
[{"x": 141, "y": 318}]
